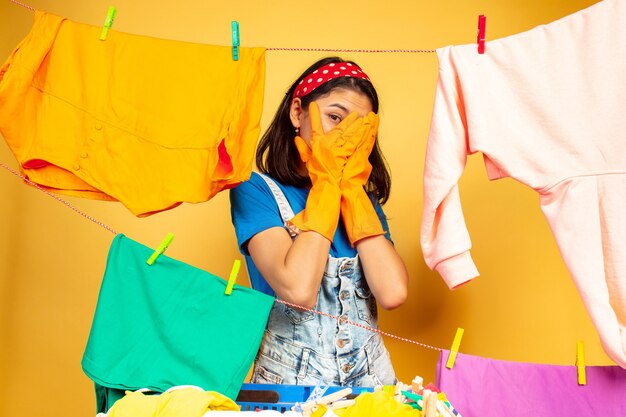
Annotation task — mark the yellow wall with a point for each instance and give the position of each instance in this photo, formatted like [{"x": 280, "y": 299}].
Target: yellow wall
[{"x": 524, "y": 307}]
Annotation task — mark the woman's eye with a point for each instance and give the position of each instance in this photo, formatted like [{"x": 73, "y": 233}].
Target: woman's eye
[{"x": 335, "y": 118}]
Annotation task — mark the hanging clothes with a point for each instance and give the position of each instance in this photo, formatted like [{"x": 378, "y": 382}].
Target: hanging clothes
[
  {"x": 482, "y": 387},
  {"x": 168, "y": 324},
  {"x": 544, "y": 107},
  {"x": 176, "y": 402},
  {"x": 147, "y": 122}
]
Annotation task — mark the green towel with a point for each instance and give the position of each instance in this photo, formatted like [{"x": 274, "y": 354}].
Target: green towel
[{"x": 169, "y": 324}]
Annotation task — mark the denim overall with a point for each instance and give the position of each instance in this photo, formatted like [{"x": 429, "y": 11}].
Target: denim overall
[{"x": 305, "y": 348}]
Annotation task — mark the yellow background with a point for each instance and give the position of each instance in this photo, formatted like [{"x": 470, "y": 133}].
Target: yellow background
[{"x": 524, "y": 306}]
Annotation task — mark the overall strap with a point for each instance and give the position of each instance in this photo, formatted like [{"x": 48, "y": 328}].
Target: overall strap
[{"x": 286, "y": 212}]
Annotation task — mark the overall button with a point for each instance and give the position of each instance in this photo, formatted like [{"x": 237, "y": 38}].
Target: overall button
[
  {"x": 342, "y": 342},
  {"x": 346, "y": 368}
]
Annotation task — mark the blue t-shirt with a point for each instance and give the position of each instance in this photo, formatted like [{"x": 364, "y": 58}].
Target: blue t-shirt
[{"x": 253, "y": 209}]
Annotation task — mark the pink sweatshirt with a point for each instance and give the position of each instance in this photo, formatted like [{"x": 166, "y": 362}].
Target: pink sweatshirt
[{"x": 548, "y": 108}]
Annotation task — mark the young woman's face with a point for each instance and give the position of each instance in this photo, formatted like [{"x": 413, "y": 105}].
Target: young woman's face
[{"x": 334, "y": 107}]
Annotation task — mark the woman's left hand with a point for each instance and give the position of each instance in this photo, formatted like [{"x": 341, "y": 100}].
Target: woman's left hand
[{"x": 357, "y": 210}]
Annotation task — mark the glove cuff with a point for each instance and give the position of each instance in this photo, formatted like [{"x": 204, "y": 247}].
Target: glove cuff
[
  {"x": 321, "y": 213},
  {"x": 359, "y": 215}
]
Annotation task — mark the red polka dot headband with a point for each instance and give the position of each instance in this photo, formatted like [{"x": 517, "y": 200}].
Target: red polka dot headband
[{"x": 326, "y": 73}]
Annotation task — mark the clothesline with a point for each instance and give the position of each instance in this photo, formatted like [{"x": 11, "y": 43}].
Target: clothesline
[
  {"x": 110, "y": 229},
  {"x": 37, "y": 186},
  {"x": 23, "y": 5},
  {"x": 352, "y": 50},
  {"x": 359, "y": 325},
  {"x": 307, "y": 49}
]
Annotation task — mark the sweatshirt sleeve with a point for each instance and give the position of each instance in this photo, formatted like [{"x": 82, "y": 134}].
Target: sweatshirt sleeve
[{"x": 444, "y": 237}]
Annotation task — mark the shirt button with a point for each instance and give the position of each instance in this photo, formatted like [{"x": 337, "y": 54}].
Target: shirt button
[
  {"x": 76, "y": 167},
  {"x": 98, "y": 126},
  {"x": 83, "y": 154},
  {"x": 344, "y": 294},
  {"x": 346, "y": 368}
]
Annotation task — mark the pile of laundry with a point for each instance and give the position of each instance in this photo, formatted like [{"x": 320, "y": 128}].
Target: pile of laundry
[{"x": 401, "y": 400}]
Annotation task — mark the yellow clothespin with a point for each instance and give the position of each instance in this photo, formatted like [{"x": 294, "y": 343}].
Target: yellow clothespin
[
  {"x": 108, "y": 22},
  {"x": 580, "y": 363},
  {"x": 234, "y": 27},
  {"x": 162, "y": 247},
  {"x": 233, "y": 277},
  {"x": 389, "y": 389},
  {"x": 455, "y": 348},
  {"x": 320, "y": 411}
]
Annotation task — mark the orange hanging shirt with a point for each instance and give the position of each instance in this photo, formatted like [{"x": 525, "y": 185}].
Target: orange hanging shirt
[{"x": 148, "y": 122}]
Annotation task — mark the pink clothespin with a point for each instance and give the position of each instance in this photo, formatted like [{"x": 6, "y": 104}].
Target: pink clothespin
[{"x": 482, "y": 25}]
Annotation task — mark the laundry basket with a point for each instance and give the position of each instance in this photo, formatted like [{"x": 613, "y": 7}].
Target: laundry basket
[{"x": 281, "y": 397}]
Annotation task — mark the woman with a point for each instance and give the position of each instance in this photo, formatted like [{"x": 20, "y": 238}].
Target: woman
[{"x": 314, "y": 233}]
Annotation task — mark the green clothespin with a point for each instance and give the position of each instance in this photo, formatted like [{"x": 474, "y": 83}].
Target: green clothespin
[
  {"x": 234, "y": 26},
  {"x": 108, "y": 22},
  {"x": 162, "y": 247},
  {"x": 233, "y": 277},
  {"x": 417, "y": 399}
]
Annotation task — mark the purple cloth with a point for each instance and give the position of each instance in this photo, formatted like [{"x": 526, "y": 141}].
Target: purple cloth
[{"x": 482, "y": 387}]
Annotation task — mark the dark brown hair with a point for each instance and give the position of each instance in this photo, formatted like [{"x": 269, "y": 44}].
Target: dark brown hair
[{"x": 278, "y": 156}]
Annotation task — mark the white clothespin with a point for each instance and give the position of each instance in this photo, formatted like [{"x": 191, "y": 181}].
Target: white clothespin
[{"x": 308, "y": 407}]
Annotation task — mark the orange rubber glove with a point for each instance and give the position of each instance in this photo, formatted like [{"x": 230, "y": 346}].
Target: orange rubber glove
[
  {"x": 357, "y": 210},
  {"x": 325, "y": 161}
]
